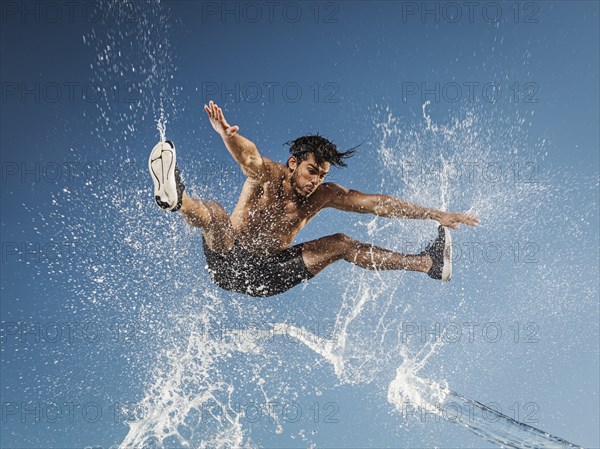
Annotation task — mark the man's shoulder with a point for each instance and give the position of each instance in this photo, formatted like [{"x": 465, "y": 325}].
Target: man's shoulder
[
  {"x": 331, "y": 188},
  {"x": 325, "y": 192},
  {"x": 270, "y": 171},
  {"x": 273, "y": 168}
]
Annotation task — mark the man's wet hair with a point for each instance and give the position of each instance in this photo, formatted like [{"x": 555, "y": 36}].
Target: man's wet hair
[{"x": 322, "y": 149}]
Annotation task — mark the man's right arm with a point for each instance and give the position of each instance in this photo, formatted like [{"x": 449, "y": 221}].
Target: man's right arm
[
  {"x": 246, "y": 154},
  {"x": 243, "y": 150}
]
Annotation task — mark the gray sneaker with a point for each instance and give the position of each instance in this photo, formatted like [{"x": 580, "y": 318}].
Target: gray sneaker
[{"x": 440, "y": 251}]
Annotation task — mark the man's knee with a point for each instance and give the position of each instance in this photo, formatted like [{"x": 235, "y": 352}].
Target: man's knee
[
  {"x": 343, "y": 238},
  {"x": 343, "y": 243},
  {"x": 218, "y": 215}
]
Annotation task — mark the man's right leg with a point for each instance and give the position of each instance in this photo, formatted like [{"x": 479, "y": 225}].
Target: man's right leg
[{"x": 212, "y": 218}]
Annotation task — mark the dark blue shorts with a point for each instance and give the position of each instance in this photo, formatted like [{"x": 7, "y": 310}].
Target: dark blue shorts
[{"x": 239, "y": 270}]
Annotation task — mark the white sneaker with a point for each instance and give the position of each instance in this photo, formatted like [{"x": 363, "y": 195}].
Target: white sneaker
[{"x": 168, "y": 187}]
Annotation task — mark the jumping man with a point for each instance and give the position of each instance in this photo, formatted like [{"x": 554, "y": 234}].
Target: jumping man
[{"x": 251, "y": 253}]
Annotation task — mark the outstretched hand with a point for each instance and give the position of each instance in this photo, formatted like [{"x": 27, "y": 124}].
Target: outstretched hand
[
  {"x": 218, "y": 122},
  {"x": 452, "y": 219}
]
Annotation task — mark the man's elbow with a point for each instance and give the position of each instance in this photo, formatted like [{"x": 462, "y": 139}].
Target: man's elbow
[
  {"x": 380, "y": 205},
  {"x": 253, "y": 167}
]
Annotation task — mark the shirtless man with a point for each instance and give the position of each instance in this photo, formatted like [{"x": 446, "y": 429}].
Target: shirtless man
[{"x": 250, "y": 252}]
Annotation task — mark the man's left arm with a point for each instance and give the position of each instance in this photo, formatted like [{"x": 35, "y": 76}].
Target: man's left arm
[{"x": 350, "y": 200}]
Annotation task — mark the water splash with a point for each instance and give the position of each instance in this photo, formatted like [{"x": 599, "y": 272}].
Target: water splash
[
  {"x": 190, "y": 402},
  {"x": 417, "y": 396},
  {"x": 200, "y": 368},
  {"x": 161, "y": 125},
  {"x": 134, "y": 69},
  {"x": 413, "y": 395}
]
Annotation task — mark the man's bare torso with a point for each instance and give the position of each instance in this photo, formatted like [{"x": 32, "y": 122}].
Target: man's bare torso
[{"x": 269, "y": 214}]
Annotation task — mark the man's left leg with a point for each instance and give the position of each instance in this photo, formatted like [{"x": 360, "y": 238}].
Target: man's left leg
[{"x": 320, "y": 253}]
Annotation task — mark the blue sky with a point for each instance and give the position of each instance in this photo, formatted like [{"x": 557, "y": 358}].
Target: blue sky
[{"x": 513, "y": 91}]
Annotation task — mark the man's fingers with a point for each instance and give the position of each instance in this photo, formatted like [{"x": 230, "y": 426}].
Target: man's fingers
[
  {"x": 452, "y": 221},
  {"x": 473, "y": 221},
  {"x": 214, "y": 110},
  {"x": 470, "y": 220}
]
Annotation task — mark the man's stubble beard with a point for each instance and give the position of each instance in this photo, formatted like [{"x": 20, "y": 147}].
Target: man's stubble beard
[{"x": 300, "y": 195}]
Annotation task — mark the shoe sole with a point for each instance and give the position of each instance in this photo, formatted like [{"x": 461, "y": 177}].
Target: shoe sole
[
  {"x": 447, "y": 268},
  {"x": 161, "y": 165}
]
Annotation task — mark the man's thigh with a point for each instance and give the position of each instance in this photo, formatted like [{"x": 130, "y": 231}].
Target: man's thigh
[{"x": 218, "y": 233}]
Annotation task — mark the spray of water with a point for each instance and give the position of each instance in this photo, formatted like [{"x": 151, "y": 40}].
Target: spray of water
[
  {"x": 364, "y": 346},
  {"x": 194, "y": 376},
  {"x": 200, "y": 367},
  {"x": 134, "y": 69}
]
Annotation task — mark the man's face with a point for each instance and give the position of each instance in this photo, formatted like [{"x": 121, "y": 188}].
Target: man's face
[{"x": 307, "y": 175}]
